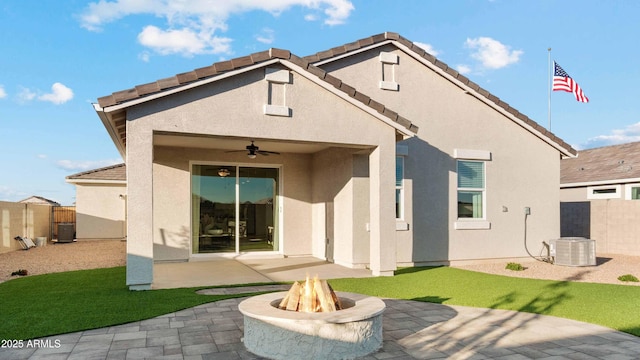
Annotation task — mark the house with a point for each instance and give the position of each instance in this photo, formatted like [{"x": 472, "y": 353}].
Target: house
[
  {"x": 598, "y": 190},
  {"x": 39, "y": 200},
  {"x": 373, "y": 154},
  {"x": 100, "y": 202}
]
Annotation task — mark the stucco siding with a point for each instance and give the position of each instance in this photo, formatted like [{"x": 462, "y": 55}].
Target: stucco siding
[
  {"x": 523, "y": 170},
  {"x": 100, "y": 211},
  {"x": 573, "y": 194},
  {"x": 233, "y": 108}
]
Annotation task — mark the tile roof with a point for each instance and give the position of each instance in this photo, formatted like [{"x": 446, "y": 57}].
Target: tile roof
[
  {"x": 216, "y": 69},
  {"x": 39, "y": 200},
  {"x": 372, "y": 40},
  {"x": 113, "y": 173},
  {"x": 614, "y": 162},
  {"x": 219, "y": 68}
]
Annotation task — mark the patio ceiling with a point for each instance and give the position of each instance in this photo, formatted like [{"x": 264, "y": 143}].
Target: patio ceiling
[{"x": 239, "y": 143}]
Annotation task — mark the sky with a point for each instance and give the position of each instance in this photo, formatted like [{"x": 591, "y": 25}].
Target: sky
[{"x": 58, "y": 57}]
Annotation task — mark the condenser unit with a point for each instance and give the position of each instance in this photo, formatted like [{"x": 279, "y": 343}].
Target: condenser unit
[{"x": 573, "y": 251}]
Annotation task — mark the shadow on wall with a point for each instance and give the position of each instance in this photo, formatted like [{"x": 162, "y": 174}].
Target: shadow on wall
[
  {"x": 174, "y": 245},
  {"x": 96, "y": 227},
  {"x": 428, "y": 169}
]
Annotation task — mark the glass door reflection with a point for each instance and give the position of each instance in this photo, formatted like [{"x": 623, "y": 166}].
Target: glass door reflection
[
  {"x": 257, "y": 215},
  {"x": 233, "y": 209}
]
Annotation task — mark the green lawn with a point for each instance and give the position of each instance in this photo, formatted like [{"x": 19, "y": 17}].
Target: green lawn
[
  {"x": 38, "y": 306},
  {"x": 614, "y": 306},
  {"x": 51, "y": 304}
]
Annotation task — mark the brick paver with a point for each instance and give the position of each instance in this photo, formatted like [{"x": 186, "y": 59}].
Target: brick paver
[{"x": 412, "y": 330}]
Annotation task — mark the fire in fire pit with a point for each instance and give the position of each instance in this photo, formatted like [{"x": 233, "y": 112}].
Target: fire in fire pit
[{"x": 314, "y": 295}]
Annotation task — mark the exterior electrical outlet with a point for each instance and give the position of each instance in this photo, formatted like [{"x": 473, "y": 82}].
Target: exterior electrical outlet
[{"x": 527, "y": 210}]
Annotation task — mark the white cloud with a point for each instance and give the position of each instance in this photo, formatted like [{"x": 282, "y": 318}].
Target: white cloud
[
  {"x": 9, "y": 194},
  {"x": 631, "y": 133},
  {"x": 191, "y": 25},
  {"x": 25, "y": 95},
  {"x": 428, "y": 48},
  {"x": 310, "y": 17},
  {"x": 41, "y": 156},
  {"x": 463, "y": 69},
  {"x": 267, "y": 36},
  {"x": 184, "y": 41},
  {"x": 144, "y": 56},
  {"x": 3, "y": 94},
  {"x": 491, "y": 53},
  {"x": 73, "y": 165},
  {"x": 59, "y": 94}
]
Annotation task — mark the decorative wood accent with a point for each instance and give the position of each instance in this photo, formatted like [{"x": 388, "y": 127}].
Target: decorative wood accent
[{"x": 314, "y": 296}]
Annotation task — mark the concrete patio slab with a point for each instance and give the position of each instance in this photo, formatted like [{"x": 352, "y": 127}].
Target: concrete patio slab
[{"x": 247, "y": 270}]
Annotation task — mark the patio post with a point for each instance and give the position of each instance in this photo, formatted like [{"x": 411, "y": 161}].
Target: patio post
[
  {"x": 139, "y": 206},
  {"x": 382, "y": 251}
]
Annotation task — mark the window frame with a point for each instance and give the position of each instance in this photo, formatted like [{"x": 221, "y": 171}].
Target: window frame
[
  {"x": 400, "y": 201},
  {"x": 483, "y": 156},
  {"x": 482, "y": 190},
  {"x": 628, "y": 191},
  {"x": 616, "y": 194}
]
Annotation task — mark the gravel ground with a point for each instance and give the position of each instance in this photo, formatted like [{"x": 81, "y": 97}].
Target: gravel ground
[
  {"x": 89, "y": 254},
  {"x": 607, "y": 270},
  {"x": 92, "y": 254}
]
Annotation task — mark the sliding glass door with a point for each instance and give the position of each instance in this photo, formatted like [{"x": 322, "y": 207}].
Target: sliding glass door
[{"x": 234, "y": 209}]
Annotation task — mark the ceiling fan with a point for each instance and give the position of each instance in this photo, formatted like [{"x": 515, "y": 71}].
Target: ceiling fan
[{"x": 253, "y": 150}]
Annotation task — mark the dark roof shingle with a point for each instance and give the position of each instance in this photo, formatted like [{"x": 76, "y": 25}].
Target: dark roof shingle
[
  {"x": 616, "y": 162},
  {"x": 159, "y": 86},
  {"x": 116, "y": 172}
]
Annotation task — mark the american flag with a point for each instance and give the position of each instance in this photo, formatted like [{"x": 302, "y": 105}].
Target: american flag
[{"x": 563, "y": 82}]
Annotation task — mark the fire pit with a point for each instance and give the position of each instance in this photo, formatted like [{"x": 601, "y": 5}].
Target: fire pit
[{"x": 353, "y": 331}]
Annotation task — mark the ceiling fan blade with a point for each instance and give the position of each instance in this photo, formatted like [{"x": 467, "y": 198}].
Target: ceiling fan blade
[{"x": 264, "y": 152}]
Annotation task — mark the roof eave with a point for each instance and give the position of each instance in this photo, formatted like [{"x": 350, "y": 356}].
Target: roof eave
[
  {"x": 468, "y": 90},
  {"x": 187, "y": 86},
  {"x": 95, "y": 181},
  {"x": 108, "y": 124},
  {"x": 564, "y": 151}
]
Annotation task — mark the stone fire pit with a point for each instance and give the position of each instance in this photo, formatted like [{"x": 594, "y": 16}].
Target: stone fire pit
[{"x": 280, "y": 334}]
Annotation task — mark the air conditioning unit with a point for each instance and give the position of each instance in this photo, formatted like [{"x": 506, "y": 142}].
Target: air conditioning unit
[
  {"x": 65, "y": 232},
  {"x": 573, "y": 251}
]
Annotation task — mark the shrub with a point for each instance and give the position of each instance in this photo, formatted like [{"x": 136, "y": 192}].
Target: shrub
[
  {"x": 514, "y": 266},
  {"x": 628, "y": 277},
  {"x": 20, "y": 272}
]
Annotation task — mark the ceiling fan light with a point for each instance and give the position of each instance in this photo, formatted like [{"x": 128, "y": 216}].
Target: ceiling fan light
[
  {"x": 252, "y": 155},
  {"x": 223, "y": 172}
]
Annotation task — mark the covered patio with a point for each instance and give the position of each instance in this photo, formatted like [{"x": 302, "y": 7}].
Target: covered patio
[{"x": 247, "y": 270}]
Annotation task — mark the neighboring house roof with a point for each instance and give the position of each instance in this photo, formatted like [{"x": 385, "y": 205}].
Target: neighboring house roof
[
  {"x": 609, "y": 164},
  {"x": 39, "y": 200},
  {"x": 394, "y": 38},
  {"x": 109, "y": 174}
]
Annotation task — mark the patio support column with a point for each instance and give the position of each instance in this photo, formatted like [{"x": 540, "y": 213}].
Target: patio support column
[
  {"x": 382, "y": 253},
  {"x": 139, "y": 206}
]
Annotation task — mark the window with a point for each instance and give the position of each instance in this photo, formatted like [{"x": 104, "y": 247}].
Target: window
[
  {"x": 632, "y": 191},
  {"x": 471, "y": 189},
  {"x": 399, "y": 187},
  {"x": 604, "y": 192}
]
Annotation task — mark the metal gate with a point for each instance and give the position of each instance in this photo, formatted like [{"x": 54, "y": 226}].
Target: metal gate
[{"x": 62, "y": 215}]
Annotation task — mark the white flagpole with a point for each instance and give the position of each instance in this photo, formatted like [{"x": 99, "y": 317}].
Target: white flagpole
[{"x": 549, "y": 90}]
